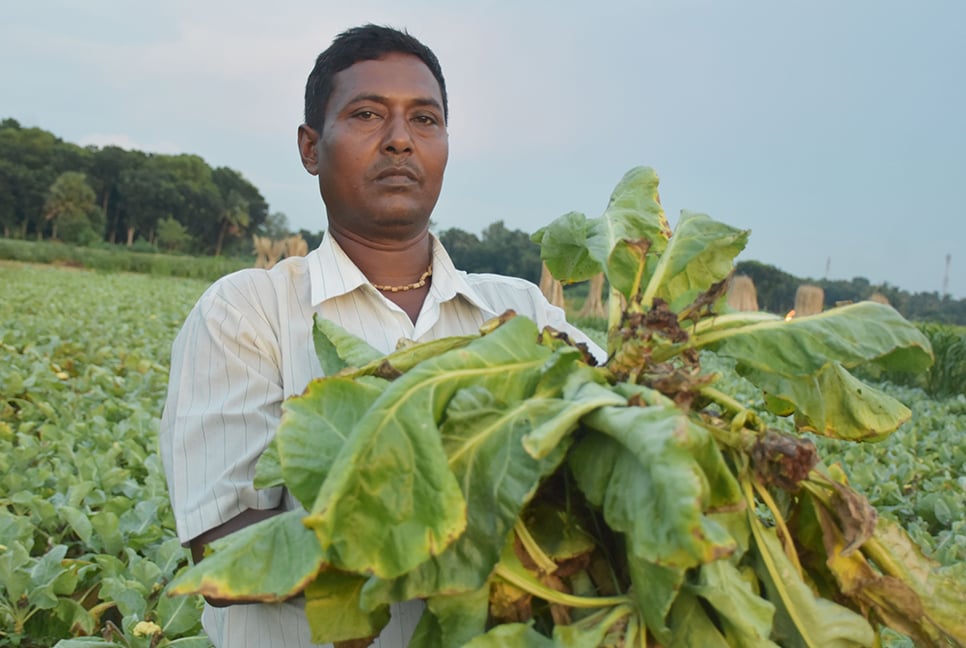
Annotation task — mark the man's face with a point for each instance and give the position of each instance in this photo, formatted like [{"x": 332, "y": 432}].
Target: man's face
[{"x": 383, "y": 148}]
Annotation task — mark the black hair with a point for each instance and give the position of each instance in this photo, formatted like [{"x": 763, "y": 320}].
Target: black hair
[{"x": 365, "y": 43}]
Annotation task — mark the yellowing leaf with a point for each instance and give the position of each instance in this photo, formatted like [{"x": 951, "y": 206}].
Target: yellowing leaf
[
  {"x": 943, "y": 598},
  {"x": 802, "y": 618},
  {"x": 332, "y": 608},
  {"x": 803, "y": 363},
  {"x": 269, "y": 561}
]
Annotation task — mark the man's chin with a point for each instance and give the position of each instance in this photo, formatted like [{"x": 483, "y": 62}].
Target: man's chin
[
  {"x": 398, "y": 227},
  {"x": 402, "y": 217}
]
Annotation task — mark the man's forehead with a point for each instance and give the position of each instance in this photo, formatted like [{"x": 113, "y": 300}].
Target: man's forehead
[{"x": 396, "y": 72}]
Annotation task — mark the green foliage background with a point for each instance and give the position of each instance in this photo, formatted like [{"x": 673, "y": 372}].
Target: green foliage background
[
  {"x": 120, "y": 196},
  {"x": 119, "y": 260}
]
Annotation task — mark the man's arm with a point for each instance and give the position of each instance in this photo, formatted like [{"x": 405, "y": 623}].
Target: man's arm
[
  {"x": 244, "y": 519},
  {"x": 223, "y": 404}
]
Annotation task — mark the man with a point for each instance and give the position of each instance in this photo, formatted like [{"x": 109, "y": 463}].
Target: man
[{"x": 375, "y": 136}]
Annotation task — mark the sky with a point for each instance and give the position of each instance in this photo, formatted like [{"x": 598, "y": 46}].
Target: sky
[{"x": 835, "y": 130}]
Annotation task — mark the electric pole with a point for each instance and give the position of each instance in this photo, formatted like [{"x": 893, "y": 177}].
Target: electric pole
[{"x": 949, "y": 258}]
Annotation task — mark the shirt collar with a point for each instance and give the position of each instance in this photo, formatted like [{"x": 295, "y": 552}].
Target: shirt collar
[{"x": 332, "y": 274}]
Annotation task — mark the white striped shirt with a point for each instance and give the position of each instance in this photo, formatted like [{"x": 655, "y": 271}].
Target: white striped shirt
[{"x": 246, "y": 346}]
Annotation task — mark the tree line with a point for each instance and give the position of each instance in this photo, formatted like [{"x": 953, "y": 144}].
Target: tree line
[
  {"x": 52, "y": 189},
  {"x": 511, "y": 252},
  {"x": 776, "y": 293}
]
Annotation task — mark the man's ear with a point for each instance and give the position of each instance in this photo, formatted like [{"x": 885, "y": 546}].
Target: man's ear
[{"x": 308, "y": 139}]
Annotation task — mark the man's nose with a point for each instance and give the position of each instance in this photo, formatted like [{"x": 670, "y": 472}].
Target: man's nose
[{"x": 399, "y": 138}]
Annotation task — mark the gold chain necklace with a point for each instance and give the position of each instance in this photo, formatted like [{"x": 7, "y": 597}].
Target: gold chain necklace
[{"x": 413, "y": 286}]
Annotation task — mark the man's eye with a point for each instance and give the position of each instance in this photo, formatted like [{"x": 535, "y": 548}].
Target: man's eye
[
  {"x": 365, "y": 115},
  {"x": 426, "y": 120}
]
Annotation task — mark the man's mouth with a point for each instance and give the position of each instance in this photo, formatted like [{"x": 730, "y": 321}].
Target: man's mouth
[{"x": 397, "y": 176}]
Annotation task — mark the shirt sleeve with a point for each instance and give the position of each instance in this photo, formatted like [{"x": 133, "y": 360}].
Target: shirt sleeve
[
  {"x": 223, "y": 405},
  {"x": 556, "y": 318},
  {"x": 501, "y": 293}
]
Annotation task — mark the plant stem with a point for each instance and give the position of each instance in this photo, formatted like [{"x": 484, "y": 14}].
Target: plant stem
[
  {"x": 773, "y": 570},
  {"x": 742, "y": 413},
  {"x": 729, "y": 438},
  {"x": 784, "y": 535},
  {"x": 615, "y": 310},
  {"x": 534, "y": 587},
  {"x": 545, "y": 564},
  {"x": 721, "y": 323},
  {"x": 874, "y": 550},
  {"x": 636, "y": 285},
  {"x": 664, "y": 352}
]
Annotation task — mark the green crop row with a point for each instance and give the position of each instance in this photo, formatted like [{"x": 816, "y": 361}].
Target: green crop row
[
  {"x": 947, "y": 376},
  {"x": 115, "y": 258},
  {"x": 85, "y": 524}
]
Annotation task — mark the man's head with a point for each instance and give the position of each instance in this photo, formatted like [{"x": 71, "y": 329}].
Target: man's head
[
  {"x": 365, "y": 43},
  {"x": 377, "y": 141}
]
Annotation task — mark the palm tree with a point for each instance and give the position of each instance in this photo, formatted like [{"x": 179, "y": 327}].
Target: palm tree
[
  {"x": 234, "y": 219},
  {"x": 70, "y": 197}
]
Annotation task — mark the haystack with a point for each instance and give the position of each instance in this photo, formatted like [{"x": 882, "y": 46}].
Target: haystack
[
  {"x": 809, "y": 300},
  {"x": 742, "y": 295},
  {"x": 267, "y": 251},
  {"x": 551, "y": 288},
  {"x": 879, "y": 298},
  {"x": 594, "y": 306},
  {"x": 295, "y": 245}
]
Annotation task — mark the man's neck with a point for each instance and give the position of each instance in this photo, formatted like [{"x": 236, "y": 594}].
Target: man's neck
[{"x": 389, "y": 262}]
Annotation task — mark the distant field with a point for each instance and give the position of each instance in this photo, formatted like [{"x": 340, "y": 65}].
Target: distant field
[{"x": 120, "y": 259}]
